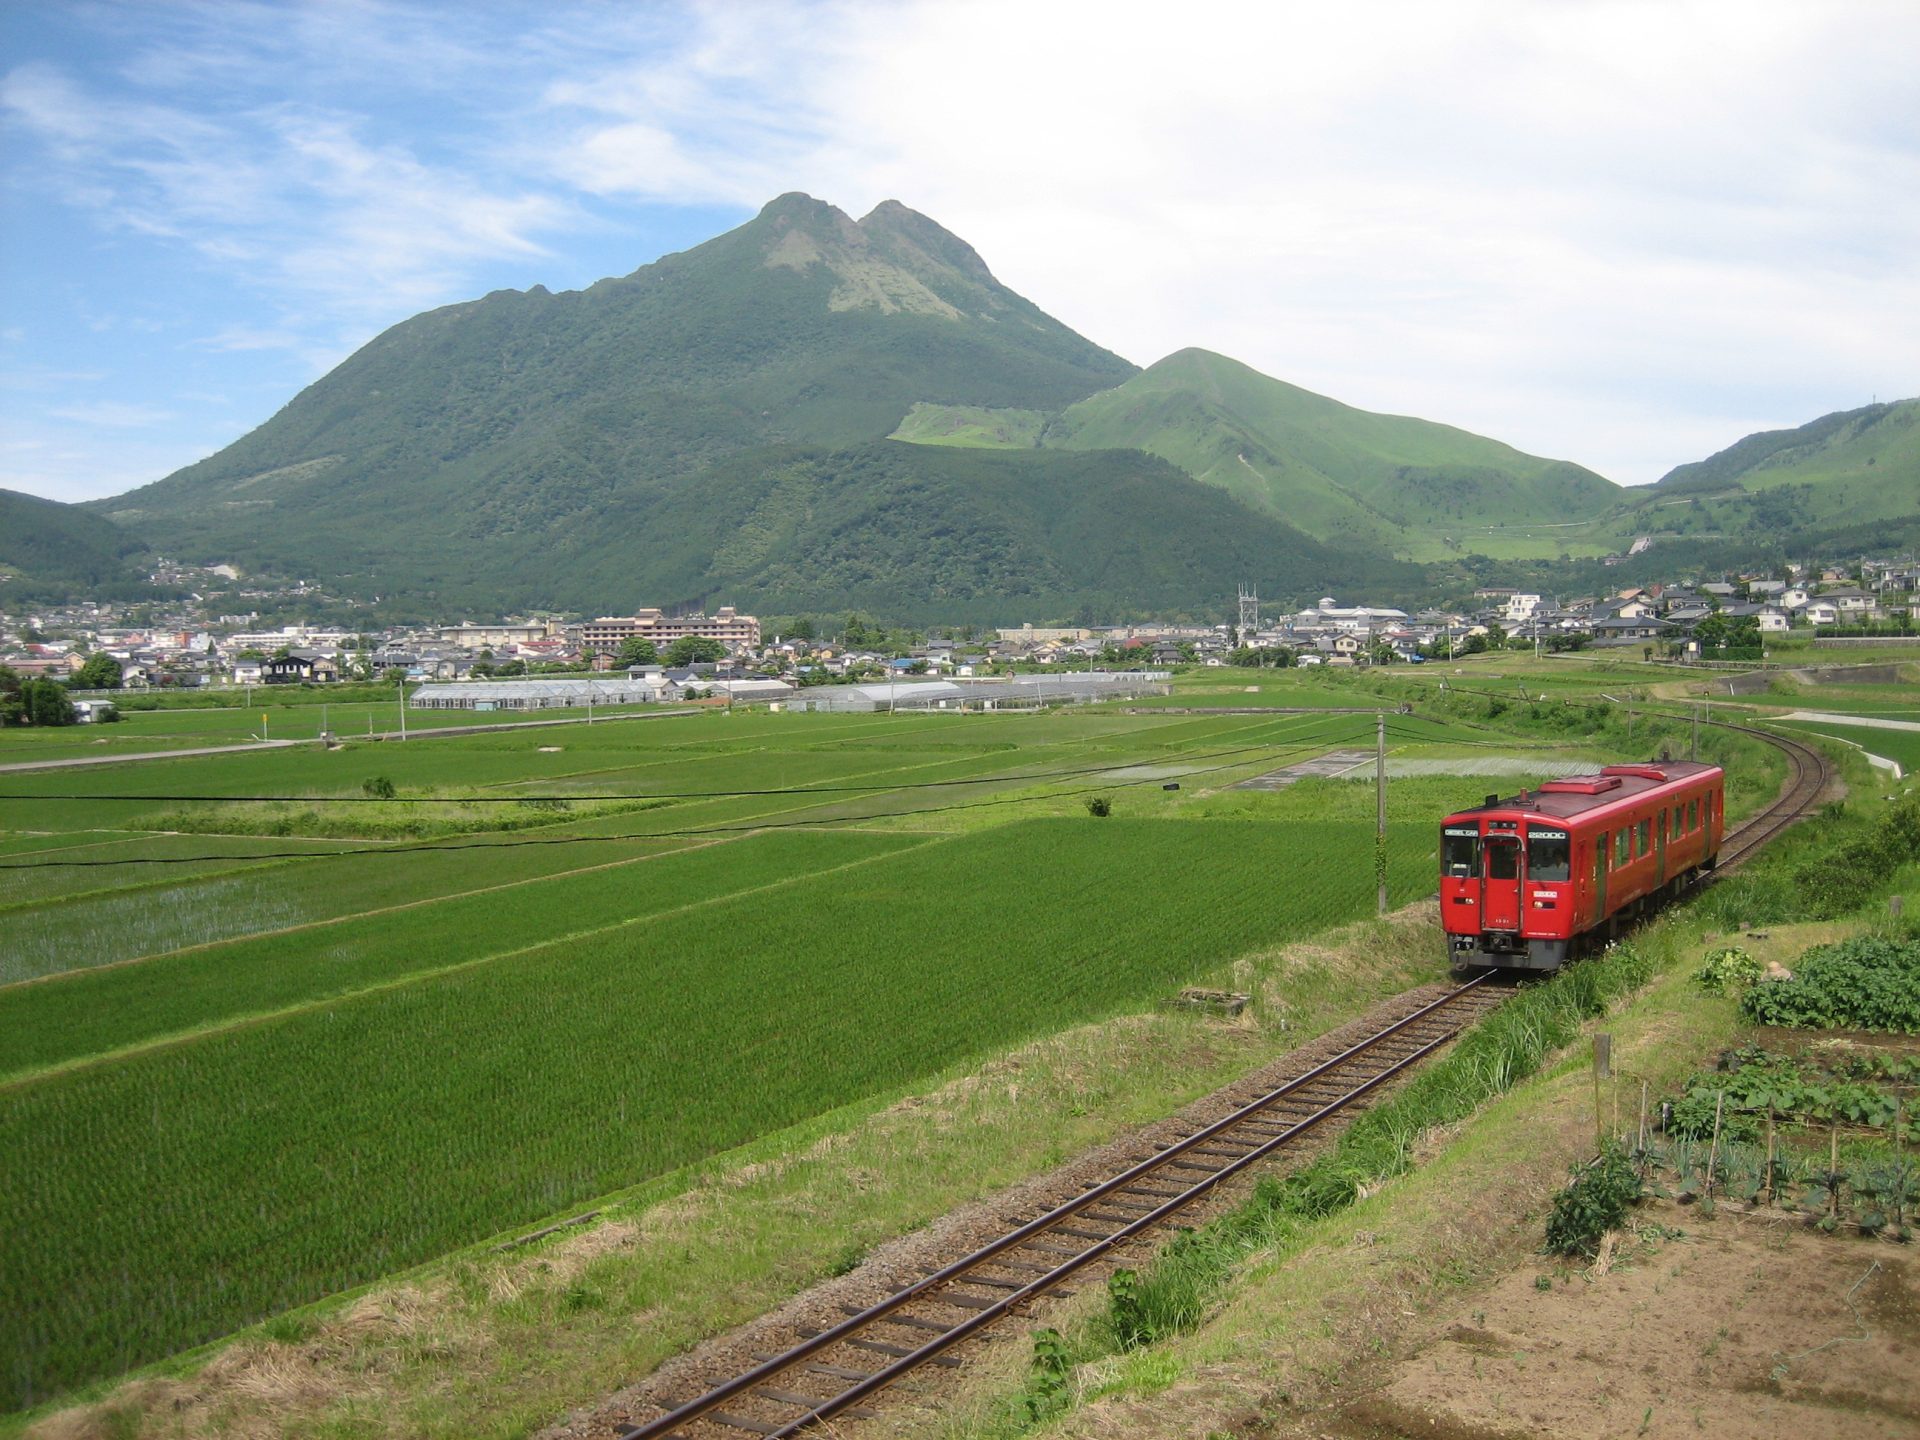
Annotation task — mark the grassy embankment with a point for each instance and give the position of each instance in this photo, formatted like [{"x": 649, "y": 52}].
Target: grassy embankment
[{"x": 1287, "y": 1301}]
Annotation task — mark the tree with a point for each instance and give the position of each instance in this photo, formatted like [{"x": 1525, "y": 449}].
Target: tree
[
  {"x": 636, "y": 650},
  {"x": 801, "y": 628},
  {"x": 1496, "y": 635},
  {"x": 13, "y": 710},
  {"x": 691, "y": 648},
  {"x": 45, "y": 702},
  {"x": 100, "y": 672}
]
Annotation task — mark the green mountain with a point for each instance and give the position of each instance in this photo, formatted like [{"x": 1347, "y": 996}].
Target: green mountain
[
  {"x": 49, "y": 550},
  {"x": 732, "y": 424},
  {"x": 926, "y": 533},
  {"x": 1850, "y": 480},
  {"x": 1345, "y": 476},
  {"x": 495, "y": 440}
]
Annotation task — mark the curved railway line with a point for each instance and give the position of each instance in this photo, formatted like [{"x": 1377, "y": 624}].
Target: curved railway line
[
  {"x": 1808, "y": 774},
  {"x": 834, "y": 1371}
]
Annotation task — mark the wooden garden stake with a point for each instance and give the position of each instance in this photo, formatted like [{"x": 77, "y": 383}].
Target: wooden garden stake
[
  {"x": 1833, "y": 1172},
  {"x": 1713, "y": 1150},
  {"x": 1899, "y": 1169},
  {"x": 1767, "y": 1189},
  {"x": 1602, "y": 1067},
  {"x": 1643, "y": 1117}
]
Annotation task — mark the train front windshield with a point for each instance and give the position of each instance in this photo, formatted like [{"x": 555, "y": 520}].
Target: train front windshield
[{"x": 1460, "y": 851}]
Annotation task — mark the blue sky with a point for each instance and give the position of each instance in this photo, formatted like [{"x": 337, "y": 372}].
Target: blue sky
[{"x": 1623, "y": 234}]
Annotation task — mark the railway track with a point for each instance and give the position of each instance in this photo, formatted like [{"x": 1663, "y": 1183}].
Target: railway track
[
  {"x": 833, "y": 1371},
  {"x": 837, "y": 1370},
  {"x": 1807, "y": 777}
]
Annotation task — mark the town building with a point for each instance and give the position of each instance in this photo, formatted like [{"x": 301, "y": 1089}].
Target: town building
[{"x": 727, "y": 626}]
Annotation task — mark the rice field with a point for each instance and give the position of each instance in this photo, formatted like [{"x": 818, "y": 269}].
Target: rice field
[
  {"x": 1900, "y": 746},
  {"x": 264, "y": 1165},
  {"x": 240, "y": 1084}
]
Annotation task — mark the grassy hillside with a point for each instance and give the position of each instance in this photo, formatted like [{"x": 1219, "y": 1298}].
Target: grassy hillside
[
  {"x": 48, "y": 549},
  {"x": 929, "y": 532},
  {"x": 463, "y": 440},
  {"x": 1847, "y": 480},
  {"x": 1344, "y": 475},
  {"x": 972, "y": 426}
]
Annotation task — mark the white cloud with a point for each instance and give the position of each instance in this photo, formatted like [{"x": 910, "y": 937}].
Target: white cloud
[
  {"x": 292, "y": 199},
  {"x": 113, "y": 414},
  {"x": 1505, "y": 217},
  {"x": 249, "y": 337},
  {"x": 1618, "y": 232}
]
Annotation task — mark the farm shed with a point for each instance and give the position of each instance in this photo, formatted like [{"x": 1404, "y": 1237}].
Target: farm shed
[
  {"x": 1019, "y": 692},
  {"x": 539, "y": 694}
]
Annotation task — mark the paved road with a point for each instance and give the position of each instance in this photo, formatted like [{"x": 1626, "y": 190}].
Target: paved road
[
  {"x": 1827, "y": 717},
  {"x": 114, "y": 759}
]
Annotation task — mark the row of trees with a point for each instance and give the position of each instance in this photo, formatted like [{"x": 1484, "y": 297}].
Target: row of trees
[
  {"x": 687, "y": 650},
  {"x": 31, "y": 700}
]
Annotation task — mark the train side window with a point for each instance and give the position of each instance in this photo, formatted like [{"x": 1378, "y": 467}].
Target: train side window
[
  {"x": 1693, "y": 815},
  {"x": 1459, "y": 853},
  {"x": 1646, "y": 838},
  {"x": 1620, "y": 848}
]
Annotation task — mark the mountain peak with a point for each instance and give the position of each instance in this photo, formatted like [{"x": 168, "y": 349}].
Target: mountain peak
[
  {"x": 893, "y": 226},
  {"x": 896, "y": 260},
  {"x": 797, "y": 205}
]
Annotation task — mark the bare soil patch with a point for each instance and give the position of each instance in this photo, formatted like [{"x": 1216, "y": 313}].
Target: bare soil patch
[{"x": 1730, "y": 1326}]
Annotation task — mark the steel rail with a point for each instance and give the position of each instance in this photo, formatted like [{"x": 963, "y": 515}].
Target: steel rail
[
  {"x": 704, "y": 1405},
  {"x": 1810, "y": 773}
]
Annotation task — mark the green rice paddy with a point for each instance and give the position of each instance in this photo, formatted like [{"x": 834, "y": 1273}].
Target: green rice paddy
[{"x": 296, "y": 1062}]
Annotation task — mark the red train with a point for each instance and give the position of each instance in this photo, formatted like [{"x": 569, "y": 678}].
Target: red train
[{"x": 1536, "y": 880}]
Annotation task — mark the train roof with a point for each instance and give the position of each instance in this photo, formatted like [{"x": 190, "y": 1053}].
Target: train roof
[{"x": 1574, "y": 795}]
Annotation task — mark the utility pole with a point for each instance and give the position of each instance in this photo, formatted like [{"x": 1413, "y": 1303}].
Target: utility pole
[
  {"x": 400, "y": 690},
  {"x": 1696, "y": 733},
  {"x": 589, "y": 699},
  {"x": 1380, "y": 807}
]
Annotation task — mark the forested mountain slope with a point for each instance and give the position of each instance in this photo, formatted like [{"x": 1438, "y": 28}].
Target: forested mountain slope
[
  {"x": 48, "y": 549},
  {"x": 1346, "y": 476},
  {"x": 466, "y": 439}
]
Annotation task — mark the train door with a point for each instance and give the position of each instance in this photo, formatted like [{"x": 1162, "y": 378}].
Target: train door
[
  {"x": 1660, "y": 847},
  {"x": 1500, "y": 896}
]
